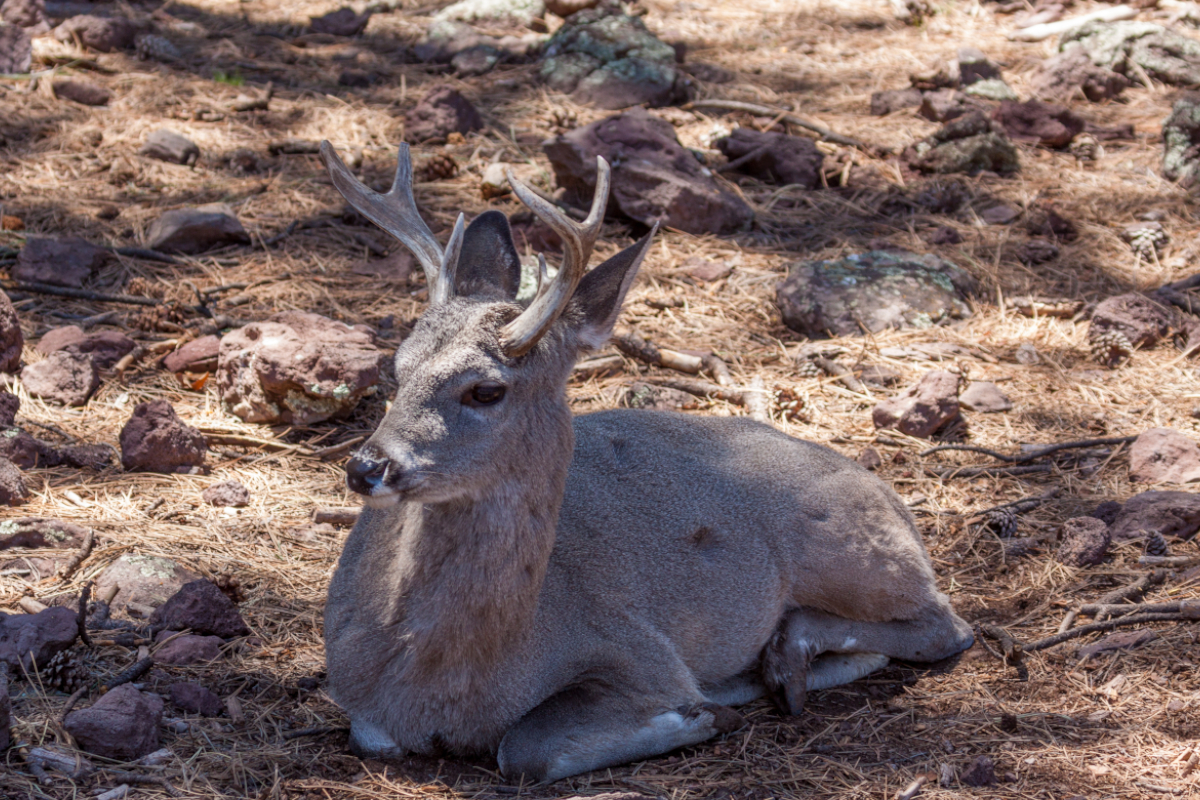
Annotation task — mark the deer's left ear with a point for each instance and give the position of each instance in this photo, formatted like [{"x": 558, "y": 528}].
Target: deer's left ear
[
  {"x": 488, "y": 264},
  {"x": 597, "y": 301}
]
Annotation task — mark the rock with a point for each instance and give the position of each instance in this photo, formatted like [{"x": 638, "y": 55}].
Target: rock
[
  {"x": 921, "y": 409},
  {"x": 1085, "y": 542},
  {"x": 106, "y": 348},
  {"x": 1068, "y": 75},
  {"x": 297, "y": 368},
  {"x": 355, "y": 78},
  {"x": 194, "y": 698},
  {"x": 13, "y": 491},
  {"x": 343, "y": 22},
  {"x": 565, "y": 8},
  {"x": 62, "y": 377},
  {"x": 477, "y": 60},
  {"x": 508, "y": 13},
  {"x": 870, "y": 459},
  {"x": 59, "y": 262},
  {"x": 1162, "y": 455},
  {"x": 994, "y": 89},
  {"x": 167, "y": 145},
  {"x": 495, "y": 181},
  {"x": 1037, "y": 251},
  {"x": 27, "y": 14},
  {"x": 42, "y": 635},
  {"x": 877, "y": 289},
  {"x": 195, "y": 230},
  {"x": 970, "y": 143},
  {"x": 1142, "y": 321},
  {"x": 1130, "y": 47},
  {"x": 1040, "y": 123},
  {"x": 227, "y": 493},
  {"x": 155, "y": 439},
  {"x": 441, "y": 112},
  {"x": 10, "y": 404},
  {"x": 612, "y": 61},
  {"x": 658, "y": 181},
  {"x": 974, "y": 66},
  {"x": 1045, "y": 221},
  {"x": 52, "y": 541},
  {"x": 122, "y": 725},
  {"x": 657, "y": 398},
  {"x": 1000, "y": 214},
  {"x": 984, "y": 397},
  {"x": 198, "y": 355},
  {"x": 884, "y": 103},
  {"x": 143, "y": 581},
  {"x": 1170, "y": 513},
  {"x": 27, "y": 452},
  {"x": 775, "y": 157},
  {"x": 1121, "y": 640},
  {"x": 1028, "y": 355},
  {"x": 12, "y": 340},
  {"x": 982, "y": 772},
  {"x": 104, "y": 34},
  {"x": 947, "y": 104},
  {"x": 202, "y": 607},
  {"x": 16, "y": 50},
  {"x": 188, "y": 649},
  {"x": 1181, "y": 142},
  {"x": 705, "y": 271},
  {"x": 445, "y": 39},
  {"x": 85, "y": 93}
]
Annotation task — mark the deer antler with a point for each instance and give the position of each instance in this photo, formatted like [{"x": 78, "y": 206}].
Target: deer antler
[
  {"x": 396, "y": 213},
  {"x": 519, "y": 336}
]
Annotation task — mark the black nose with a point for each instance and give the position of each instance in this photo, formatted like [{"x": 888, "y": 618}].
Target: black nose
[{"x": 364, "y": 473}]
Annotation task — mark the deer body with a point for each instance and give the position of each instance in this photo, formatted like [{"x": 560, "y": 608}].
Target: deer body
[{"x": 571, "y": 594}]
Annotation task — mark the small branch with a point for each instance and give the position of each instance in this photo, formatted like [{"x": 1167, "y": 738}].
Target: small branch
[
  {"x": 1100, "y": 627},
  {"x": 145, "y": 254},
  {"x": 129, "y": 675},
  {"x": 279, "y": 237},
  {"x": 843, "y": 374},
  {"x": 71, "y": 701},
  {"x": 635, "y": 346},
  {"x": 1135, "y": 590},
  {"x": 792, "y": 119},
  {"x": 260, "y": 103},
  {"x": 1033, "y": 454},
  {"x": 742, "y": 159},
  {"x": 975, "y": 472},
  {"x": 598, "y": 367},
  {"x": 78, "y": 557},
  {"x": 1188, "y": 608},
  {"x": 79, "y": 294},
  {"x": 144, "y": 780},
  {"x": 705, "y": 389},
  {"x": 236, "y": 440},
  {"x": 339, "y": 450},
  {"x": 1068, "y": 621},
  {"x": 1011, "y": 650},
  {"x": 31, "y": 606},
  {"x": 718, "y": 369},
  {"x": 74, "y": 766},
  {"x": 914, "y": 788},
  {"x": 316, "y": 731},
  {"x": 336, "y": 516},
  {"x": 1169, "y": 561},
  {"x": 81, "y": 615},
  {"x": 1036, "y": 33}
]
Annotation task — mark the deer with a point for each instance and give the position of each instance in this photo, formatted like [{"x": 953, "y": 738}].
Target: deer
[{"x": 568, "y": 593}]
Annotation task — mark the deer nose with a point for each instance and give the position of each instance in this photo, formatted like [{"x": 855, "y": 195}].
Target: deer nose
[{"x": 364, "y": 473}]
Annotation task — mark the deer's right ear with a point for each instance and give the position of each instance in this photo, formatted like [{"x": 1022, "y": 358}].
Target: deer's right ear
[
  {"x": 602, "y": 291},
  {"x": 488, "y": 264}
]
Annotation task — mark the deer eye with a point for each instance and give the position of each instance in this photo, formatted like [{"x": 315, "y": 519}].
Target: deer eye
[{"x": 484, "y": 394}]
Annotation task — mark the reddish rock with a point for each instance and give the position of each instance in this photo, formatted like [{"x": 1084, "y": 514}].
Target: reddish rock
[
  {"x": 56, "y": 539},
  {"x": 1143, "y": 321},
  {"x": 44, "y": 635},
  {"x": 1085, "y": 542},
  {"x": 122, "y": 725},
  {"x": 16, "y": 50},
  {"x": 27, "y": 14},
  {"x": 1174, "y": 514},
  {"x": 705, "y": 271},
  {"x": 11, "y": 338},
  {"x": 194, "y": 698},
  {"x": 156, "y": 440},
  {"x": 1045, "y": 221},
  {"x": 1068, "y": 75},
  {"x": 658, "y": 180},
  {"x": 775, "y": 157},
  {"x": 13, "y": 491},
  {"x": 1162, "y": 455},
  {"x": 343, "y": 22},
  {"x": 59, "y": 262},
  {"x": 298, "y": 368},
  {"x": 83, "y": 92},
  {"x": 104, "y": 34},
  {"x": 62, "y": 377},
  {"x": 183, "y": 651},
  {"x": 143, "y": 581},
  {"x": 947, "y": 104},
  {"x": 923, "y": 408},
  {"x": 884, "y": 103},
  {"x": 984, "y": 397},
  {"x": 105, "y": 347},
  {"x": 195, "y": 230},
  {"x": 227, "y": 493},
  {"x": 203, "y": 608},
  {"x": 1040, "y": 123},
  {"x": 441, "y": 112},
  {"x": 396, "y": 267},
  {"x": 198, "y": 355}
]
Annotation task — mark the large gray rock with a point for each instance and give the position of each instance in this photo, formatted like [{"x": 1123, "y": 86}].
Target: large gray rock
[
  {"x": 1141, "y": 320},
  {"x": 442, "y": 111},
  {"x": 1181, "y": 142},
  {"x": 297, "y": 368},
  {"x": 1132, "y": 47},
  {"x": 122, "y": 725},
  {"x": 42, "y": 636},
  {"x": 167, "y": 145},
  {"x": 27, "y": 14},
  {"x": 655, "y": 178},
  {"x": 612, "y": 61},
  {"x": 60, "y": 262},
  {"x": 878, "y": 289},
  {"x": 970, "y": 143},
  {"x": 1085, "y": 542},
  {"x": 195, "y": 230},
  {"x": 11, "y": 337},
  {"x": 922, "y": 408}
]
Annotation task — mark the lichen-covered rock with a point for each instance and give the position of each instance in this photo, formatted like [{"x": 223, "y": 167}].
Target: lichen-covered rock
[
  {"x": 62, "y": 377},
  {"x": 878, "y": 289},
  {"x": 1040, "y": 123},
  {"x": 500, "y": 12},
  {"x": 658, "y": 179},
  {"x": 1085, "y": 542},
  {"x": 195, "y": 230},
  {"x": 143, "y": 581},
  {"x": 970, "y": 143},
  {"x": 775, "y": 157},
  {"x": 1181, "y": 142},
  {"x": 122, "y": 725},
  {"x": 106, "y": 348},
  {"x": 42, "y": 635},
  {"x": 203, "y": 608},
  {"x": 59, "y": 262},
  {"x": 612, "y": 61},
  {"x": 27, "y": 14},
  {"x": 13, "y": 491},
  {"x": 1162, "y": 455},
  {"x": 104, "y": 34},
  {"x": 442, "y": 111},
  {"x": 156, "y": 440},
  {"x": 11, "y": 337},
  {"x": 1132, "y": 46},
  {"x": 1141, "y": 320},
  {"x": 1174, "y": 514},
  {"x": 922, "y": 408},
  {"x": 1068, "y": 75},
  {"x": 298, "y": 368}
]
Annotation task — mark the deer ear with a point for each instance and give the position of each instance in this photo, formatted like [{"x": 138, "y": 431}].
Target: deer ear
[
  {"x": 601, "y": 292},
  {"x": 488, "y": 263}
]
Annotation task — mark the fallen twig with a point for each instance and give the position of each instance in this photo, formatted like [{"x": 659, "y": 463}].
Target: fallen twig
[
  {"x": 336, "y": 516},
  {"x": 729, "y": 394},
  {"x": 1100, "y": 627},
  {"x": 1134, "y": 590},
  {"x": 128, "y": 675},
  {"x": 914, "y": 788},
  {"x": 77, "y": 558},
  {"x": 79, "y": 294},
  {"x": 1031, "y": 455},
  {"x": 320, "y": 730},
  {"x": 843, "y": 374},
  {"x": 145, "y": 254},
  {"x": 800, "y": 122},
  {"x": 598, "y": 367},
  {"x": 81, "y": 615},
  {"x": 1036, "y": 33},
  {"x": 74, "y": 766},
  {"x": 635, "y": 346},
  {"x": 144, "y": 780},
  {"x": 260, "y": 103},
  {"x": 339, "y": 450},
  {"x": 975, "y": 472},
  {"x": 1169, "y": 561},
  {"x": 237, "y": 440},
  {"x": 1188, "y": 608},
  {"x": 1010, "y": 649}
]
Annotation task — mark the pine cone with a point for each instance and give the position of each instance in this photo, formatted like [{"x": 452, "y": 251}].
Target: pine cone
[
  {"x": 1111, "y": 348},
  {"x": 1086, "y": 148},
  {"x": 143, "y": 287},
  {"x": 1003, "y": 521},
  {"x": 808, "y": 369},
  {"x": 231, "y": 587},
  {"x": 792, "y": 405},
  {"x": 1156, "y": 545},
  {"x": 1147, "y": 239},
  {"x": 158, "y": 48},
  {"x": 439, "y": 167},
  {"x": 66, "y": 672}
]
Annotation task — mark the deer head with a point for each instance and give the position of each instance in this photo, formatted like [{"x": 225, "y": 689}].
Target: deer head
[{"x": 482, "y": 379}]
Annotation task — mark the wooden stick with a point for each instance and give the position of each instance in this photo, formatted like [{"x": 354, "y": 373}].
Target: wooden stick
[
  {"x": 74, "y": 766},
  {"x": 145, "y": 254},
  {"x": 635, "y": 346},
  {"x": 320, "y": 730},
  {"x": 699, "y": 388},
  {"x": 598, "y": 367},
  {"x": 336, "y": 516},
  {"x": 914, "y": 788},
  {"x": 1188, "y": 608},
  {"x": 1068, "y": 621},
  {"x": 999, "y": 469},
  {"x": 129, "y": 675},
  {"x": 1099, "y": 627},
  {"x": 843, "y": 374},
  {"x": 800, "y": 122},
  {"x": 1133, "y": 590},
  {"x": 78, "y": 557},
  {"x": 31, "y": 606},
  {"x": 1033, "y": 454},
  {"x": 1036, "y": 33},
  {"x": 339, "y": 450},
  {"x": 79, "y": 294},
  {"x": 1010, "y": 648},
  {"x": 1169, "y": 561},
  {"x": 81, "y": 615}
]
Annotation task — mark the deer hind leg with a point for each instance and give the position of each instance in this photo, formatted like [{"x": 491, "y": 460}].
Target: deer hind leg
[{"x": 591, "y": 727}]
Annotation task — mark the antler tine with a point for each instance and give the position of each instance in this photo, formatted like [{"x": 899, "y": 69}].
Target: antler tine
[
  {"x": 444, "y": 289},
  {"x": 520, "y": 335},
  {"x": 395, "y": 212}
]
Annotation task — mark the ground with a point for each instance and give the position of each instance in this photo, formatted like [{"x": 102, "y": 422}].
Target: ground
[{"x": 1121, "y": 724}]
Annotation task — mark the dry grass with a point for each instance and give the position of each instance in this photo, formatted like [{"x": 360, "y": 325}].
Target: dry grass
[{"x": 1057, "y": 733}]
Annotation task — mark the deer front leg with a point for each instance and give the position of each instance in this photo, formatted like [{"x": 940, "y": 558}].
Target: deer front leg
[
  {"x": 368, "y": 740},
  {"x": 589, "y": 727}
]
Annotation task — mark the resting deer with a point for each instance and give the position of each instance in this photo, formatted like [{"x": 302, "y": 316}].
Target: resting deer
[{"x": 575, "y": 593}]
